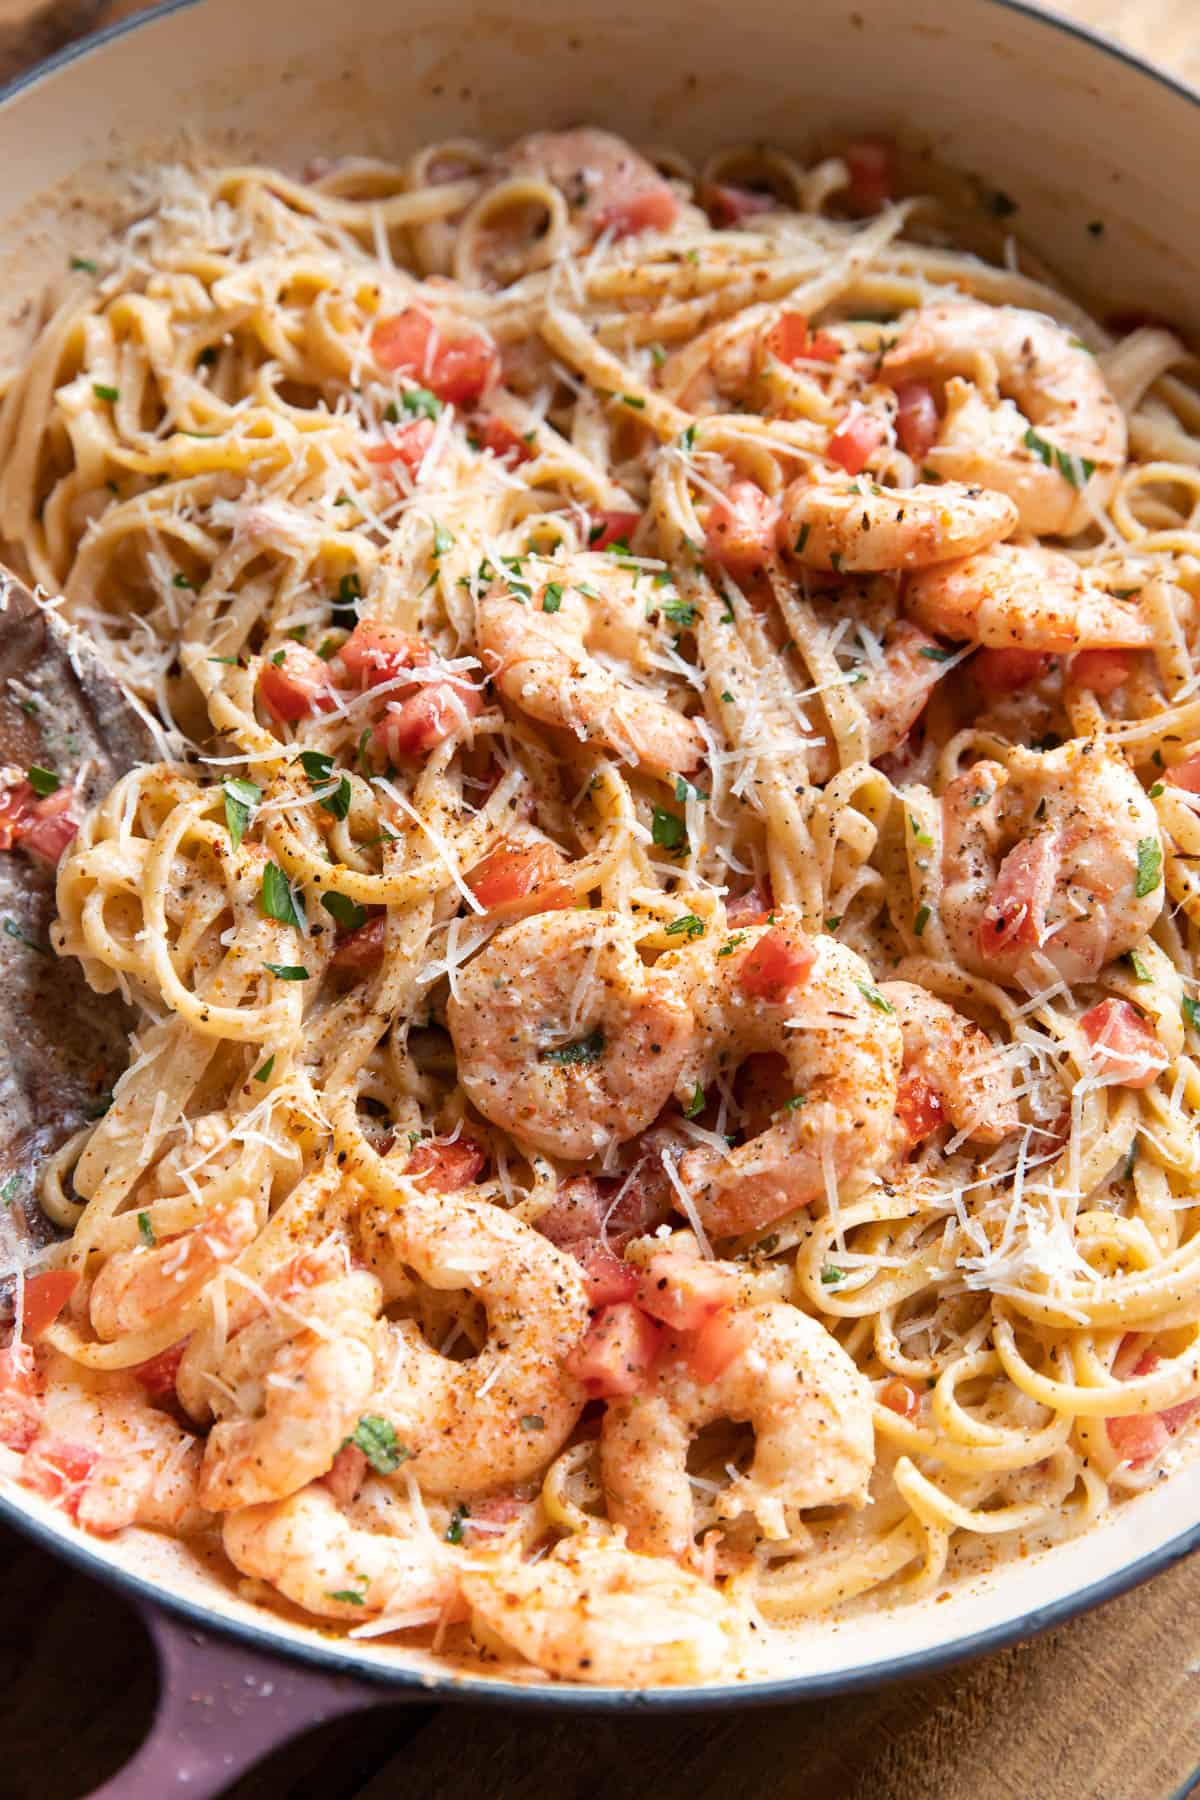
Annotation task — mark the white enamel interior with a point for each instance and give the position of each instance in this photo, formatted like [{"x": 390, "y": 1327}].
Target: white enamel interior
[{"x": 1073, "y": 132}]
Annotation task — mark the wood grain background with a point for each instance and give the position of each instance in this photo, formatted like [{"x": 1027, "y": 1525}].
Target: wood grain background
[{"x": 1106, "y": 1708}]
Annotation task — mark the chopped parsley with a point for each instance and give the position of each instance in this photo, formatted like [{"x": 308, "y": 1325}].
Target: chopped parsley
[
  {"x": 1140, "y": 971},
  {"x": 831, "y": 1275},
  {"x": 84, "y": 265},
  {"x": 1149, "y": 867},
  {"x": 102, "y": 391},
  {"x": 873, "y": 997},
  {"x": 921, "y": 920},
  {"x": 680, "y": 612},
  {"x": 347, "y": 1596},
  {"x": 181, "y": 580},
  {"x": 1191, "y": 1011},
  {"x": 242, "y": 798},
  {"x": 264, "y": 1074},
  {"x": 443, "y": 540},
  {"x": 684, "y": 791},
  {"x": 688, "y": 926},
  {"x": 731, "y": 944},
  {"x": 344, "y": 912},
  {"x": 687, "y": 439},
  {"x": 938, "y": 656},
  {"x": 795, "y": 1103},
  {"x": 376, "y": 1438},
  {"x": 420, "y": 403},
  {"x": 1075, "y": 469},
  {"x": 802, "y": 539},
  {"x": 13, "y": 930},
  {"x": 8, "y": 1192},
  {"x": 287, "y": 971},
  {"x": 667, "y": 830},
  {"x": 632, "y": 400},
  {"x": 727, "y": 697},
  {"x": 277, "y": 898},
  {"x": 43, "y": 781},
  {"x": 584, "y": 1050},
  {"x": 146, "y": 1229},
  {"x": 695, "y": 1105},
  {"x": 454, "y": 1531},
  {"x": 552, "y": 598}
]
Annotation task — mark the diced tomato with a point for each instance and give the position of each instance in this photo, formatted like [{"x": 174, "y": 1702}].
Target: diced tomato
[
  {"x": 413, "y": 727},
  {"x": 751, "y": 908},
  {"x": 740, "y": 532},
  {"x": 375, "y": 653},
  {"x": 409, "y": 445},
  {"x": 362, "y": 949},
  {"x": 727, "y": 204},
  {"x": 59, "y": 1469},
  {"x": 779, "y": 962},
  {"x": 852, "y": 444},
  {"x": 720, "y": 1341},
  {"x": 1015, "y": 917},
  {"x": 296, "y": 685},
  {"x": 617, "y": 1353},
  {"x": 1101, "y": 670},
  {"x": 518, "y": 879},
  {"x": 609, "y": 1277},
  {"x": 45, "y": 1297},
  {"x": 458, "y": 364},
  {"x": 444, "y": 1168},
  {"x": 1186, "y": 775},
  {"x": 44, "y": 827},
  {"x": 790, "y": 341},
  {"x": 157, "y": 1375},
  {"x": 347, "y": 1474},
  {"x": 899, "y": 1396},
  {"x": 1005, "y": 671},
  {"x": 918, "y": 1107},
  {"x": 612, "y": 528},
  {"x": 20, "y": 1396},
  {"x": 1128, "y": 1051},
  {"x": 685, "y": 1291},
  {"x": 1137, "y": 1437},
  {"x": 871, "y": 162},
  {"x": 505, "y": 444},
  {"x": 917, "y": 420},
  {"x": 652, "y": 207}
]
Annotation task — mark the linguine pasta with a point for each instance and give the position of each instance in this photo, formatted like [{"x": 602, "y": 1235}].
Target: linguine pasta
[{"x": 439, "y": 513}]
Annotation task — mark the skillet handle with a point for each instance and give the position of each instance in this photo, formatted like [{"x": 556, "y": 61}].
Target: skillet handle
[{"x": 221, "y": 1708}]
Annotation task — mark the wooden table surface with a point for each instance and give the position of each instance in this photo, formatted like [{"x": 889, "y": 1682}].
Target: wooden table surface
[{"x": 1107, "y": 1708}]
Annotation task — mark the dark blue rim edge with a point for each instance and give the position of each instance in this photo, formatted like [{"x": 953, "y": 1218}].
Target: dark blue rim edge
[{"x": 327, "y": 1656}]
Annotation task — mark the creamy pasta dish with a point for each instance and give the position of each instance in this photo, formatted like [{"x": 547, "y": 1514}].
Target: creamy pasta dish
[{"x": 663, "y": 1089}]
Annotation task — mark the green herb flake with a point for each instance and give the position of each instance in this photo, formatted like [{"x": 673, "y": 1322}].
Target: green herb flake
[
  {"x": 1157, "y": 790},
  {"x": 667, "y": 830},
  {"x": 443, "y": 540},
  {"x": 873, "y": 997},
  {"x": 802, "y": 539},
  {"x": 552, "y": 598},
  {"x": 345, "y": 912},
  {"x": 181, "y": 580},
  {"x": 1137, "y": 964},
  {"x": 287, "y": 971},
  {"x": 687, "y": 439},
  {"x": 1149, "y": 867},
  {"x": 146, "y": 1230},
  {"x": 795, "y": 1103},
  {"x": 264, "y": 1074},
  {"x": 317, "y": 765},
  {"x": 277, "y": 898},
  {"x": 242, "y": 798},
  {"x": 83, "y": 265},
  {"x": 584, "y": 1050},
  {"x": 680, "y": 612},
  {"x": 731, "y": 944},
  {"x": 921, "y": 921},
  {"x": 13, "y": 930},
  {"x": 454, "y": 1531},
  {"x": 631, "y": 400},
  {"x": 920, "y": 835},
  {"x": 419, "y": 403},
  {"x": 658, "y": 355},
  {"x": 695, "y": 1105},
  {"x": 43, "y": 781},
  {"x": 231, "y": 662},
  {"x": 1191, "y": 1011},
  {"x": 687, "y": 927},
  {"x": 103, "y": 392},
  {"x": 727, "y": 697},
  {"x": 376, "y": 1438},
  {"x": 532, "y": 1422},
  {"x": 347, "y": 1596},
  {"x": 344, "y": 612},
  {"x": 831, "y": 1275},
  {"x": 938, "y": 656},
  {"x": 8, "y": 1192},
  {"x": 833, "y": 921}
]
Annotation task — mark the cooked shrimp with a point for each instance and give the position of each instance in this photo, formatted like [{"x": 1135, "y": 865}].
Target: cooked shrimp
[
  {"x": 1026, "y": 409},
  {"x": 1025, "y": 597},
  {"x": 606, "y": 184},
  {"x": 142, "y": 1468},
  {"x": 542, "y": 661},
  {"x": 770, "y": 989},
  {"x": 593, "y": 1611},
  {"x": 297, "y": 1402},
  {"x": 814, "y": 1444},
  {"x": 564, "y": 1037},
  {"x": 859, "y": 527},
  {"x": 1051, "y": 865},
  {"x": 498, "y": 1418},
  {"x": 955, "y": 1061},
  {"x": 308, "y": 1549},
  {"x": 135, "y": 1286},
  {"x": 895, "y": 667}
]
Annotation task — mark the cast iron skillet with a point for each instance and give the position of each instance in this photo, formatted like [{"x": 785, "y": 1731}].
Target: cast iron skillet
[{"x": 226, "y": 1699}]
